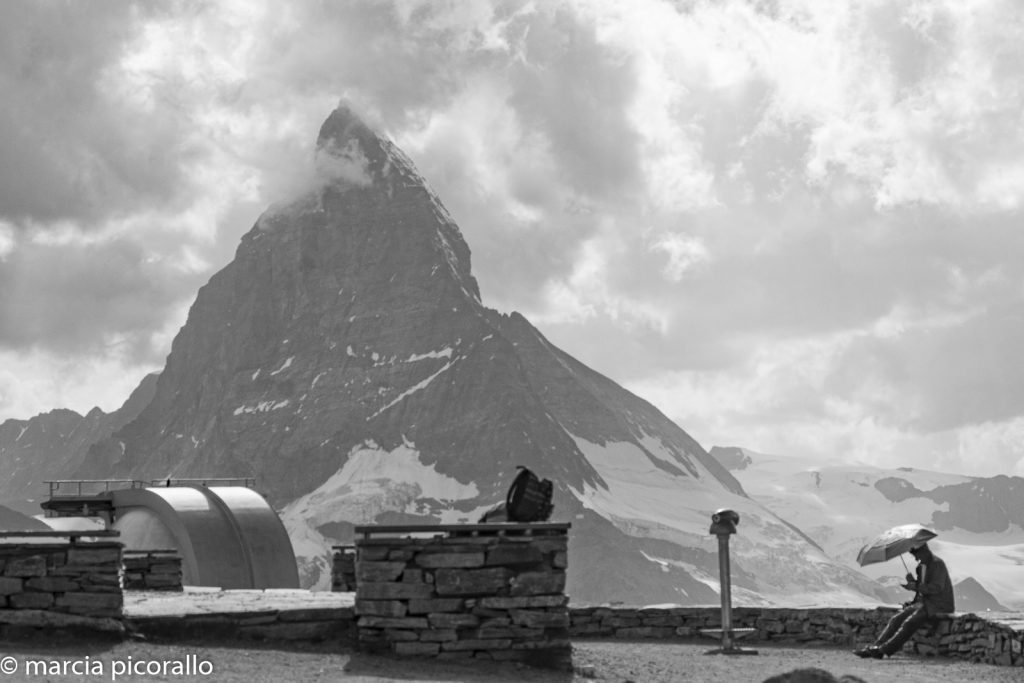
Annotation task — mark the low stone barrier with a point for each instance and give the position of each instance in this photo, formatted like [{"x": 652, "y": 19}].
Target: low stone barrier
[
  {"x": 306, "y": 625},
  {"x": 806, "y": 626},
  {"x": 975, "y": 638},
  {"x": 60, "y": 585},
  {"x": 152, "y": 570},
  {"x": 962, "y": 636},
  {"x": 487, "y": 591}
]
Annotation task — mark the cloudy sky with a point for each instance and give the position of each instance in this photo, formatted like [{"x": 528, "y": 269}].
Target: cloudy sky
[{"x": 793, "y": 225}]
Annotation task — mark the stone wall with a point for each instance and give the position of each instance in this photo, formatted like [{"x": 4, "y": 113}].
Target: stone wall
[
  {"x": 152, "y": 570},
  {"x": 343, "y": 572},
  {"x": 975, "y": 638},
  {"x": 488, "y": 591},
  {"x": 270, "y": 625},
  {"x": 75, "y": 584},
  {"x": 963, "y": 636}
]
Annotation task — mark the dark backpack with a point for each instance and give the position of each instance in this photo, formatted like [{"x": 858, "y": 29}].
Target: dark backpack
[{"x": 529, "y": 498}]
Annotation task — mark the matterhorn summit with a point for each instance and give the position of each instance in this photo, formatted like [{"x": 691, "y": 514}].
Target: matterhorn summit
[{"x": 345, "y": 360}]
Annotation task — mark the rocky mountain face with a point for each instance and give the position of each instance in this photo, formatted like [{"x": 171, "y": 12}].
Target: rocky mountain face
[
  {"x": 980, "y": 520},
  {"x": 344, "y": 359},
  {"x": 12, "y": 520},
  {"x": 971, "y": 596},
  {"x": 978, "y": 505},
  {"x": 54, "y": 444}
]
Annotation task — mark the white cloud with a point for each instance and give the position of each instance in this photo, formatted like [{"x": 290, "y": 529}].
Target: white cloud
[
  {"x": 999, "y": 186},
  {"x": 685, "y": 253},
  {"x": 38, "y": 382},
  {"x": 996, "y": 447},
  {"x": 587, "y": 292},
  {"x": 6, "y": 239},
  {"x": 348, "y": 164},
  {"x": 790, "y": 214}
]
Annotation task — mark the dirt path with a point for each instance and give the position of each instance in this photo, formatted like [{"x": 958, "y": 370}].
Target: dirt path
[{"x": 604, "y": 661}]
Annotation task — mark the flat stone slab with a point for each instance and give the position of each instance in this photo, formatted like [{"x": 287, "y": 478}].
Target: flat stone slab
[{"x": 201, "y": 600}]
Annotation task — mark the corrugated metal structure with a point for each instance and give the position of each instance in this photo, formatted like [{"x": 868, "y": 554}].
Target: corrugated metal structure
[{"x": 227, "y": 536}]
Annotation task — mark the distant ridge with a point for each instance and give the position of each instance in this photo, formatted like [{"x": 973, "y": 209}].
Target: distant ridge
[
  {"x": 53, "y": 445},
  {"x": 971, "y": 596},
  {"x": 979, "y": 519}
]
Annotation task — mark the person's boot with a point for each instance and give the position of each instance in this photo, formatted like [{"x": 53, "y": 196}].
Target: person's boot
[{"x": 870, "y": 652}]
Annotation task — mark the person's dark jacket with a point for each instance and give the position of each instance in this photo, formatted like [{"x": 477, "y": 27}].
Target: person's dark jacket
[{"x": 935, "y": 592}]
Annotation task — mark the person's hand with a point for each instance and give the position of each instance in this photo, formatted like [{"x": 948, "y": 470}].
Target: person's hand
[
  {"x": 910, "y": 585},
  {"x": 910, "y": 578}
]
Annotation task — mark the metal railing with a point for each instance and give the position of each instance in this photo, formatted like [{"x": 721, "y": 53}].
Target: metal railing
[
  {"x": 76, "y": 488},
  {"x": 54, "y": 533},
  {"x": 248, "y": 482}
]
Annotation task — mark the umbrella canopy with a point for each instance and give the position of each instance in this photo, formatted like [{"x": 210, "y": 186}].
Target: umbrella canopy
[{"x": 893, "y": 542}]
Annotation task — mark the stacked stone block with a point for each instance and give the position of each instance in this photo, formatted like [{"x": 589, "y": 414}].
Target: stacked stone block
[
  {"x": 962, "y": 636},
  {"x": 292, "y": 625},
  {"x": 973, "y": 638},
  {"x": 152, "y": 570},
  {"x": 49, "y": 584},
  {"x": 343, "y": 574},
  {"x": 491, "y": 595}
]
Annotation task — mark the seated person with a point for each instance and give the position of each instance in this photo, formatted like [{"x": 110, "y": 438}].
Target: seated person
[{"x": 933, "y": 597}]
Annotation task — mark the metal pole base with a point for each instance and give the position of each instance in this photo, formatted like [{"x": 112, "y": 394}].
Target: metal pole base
[{"x": 731, "y": 651}]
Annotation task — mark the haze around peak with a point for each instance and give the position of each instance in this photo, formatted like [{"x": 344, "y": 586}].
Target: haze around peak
[{"x": 789, "y": 225}]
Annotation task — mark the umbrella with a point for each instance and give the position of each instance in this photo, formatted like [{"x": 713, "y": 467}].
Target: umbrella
[{"x": 893, "y": 542}]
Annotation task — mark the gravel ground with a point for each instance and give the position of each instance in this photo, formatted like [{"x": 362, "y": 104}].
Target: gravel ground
[
  {"x": 602, "y": 661},
  {"x": 649, "y": 662}
]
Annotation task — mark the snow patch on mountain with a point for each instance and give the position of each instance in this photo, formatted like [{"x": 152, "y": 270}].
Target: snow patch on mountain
[
  {"x": 646, "y": 501},
  {"x": 287, "y": 364},
  {"x": 840, "y": 507},
  {"x": 372, "y": 475},
  {"x": 312, "y": 550},
  {"x": 637, "y": 491},
  {"x": 740, "y": 596},
  {"x": 261, "y": 407},
  {"x": 657, "y": 448},
  {"x": 997, "y": 568},
  {"x": 446, "y": 352},
  {"x": 411, "y": 390},
  {"x": 372, "y": 481}
]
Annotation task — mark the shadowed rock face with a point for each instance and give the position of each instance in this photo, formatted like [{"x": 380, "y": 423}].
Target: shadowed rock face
[
  {"x": 733, "y": 458},
  {"x": 344, "y": 359},
  {"x": 971, "y": 596},
  {"x": 981, "y": 505}
]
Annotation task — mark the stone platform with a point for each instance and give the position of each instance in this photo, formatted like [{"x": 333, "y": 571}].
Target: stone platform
[{"x": 270, "y": 614}]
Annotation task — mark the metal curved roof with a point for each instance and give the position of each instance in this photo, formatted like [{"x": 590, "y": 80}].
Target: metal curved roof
[{"x": 228, "y": 536}]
